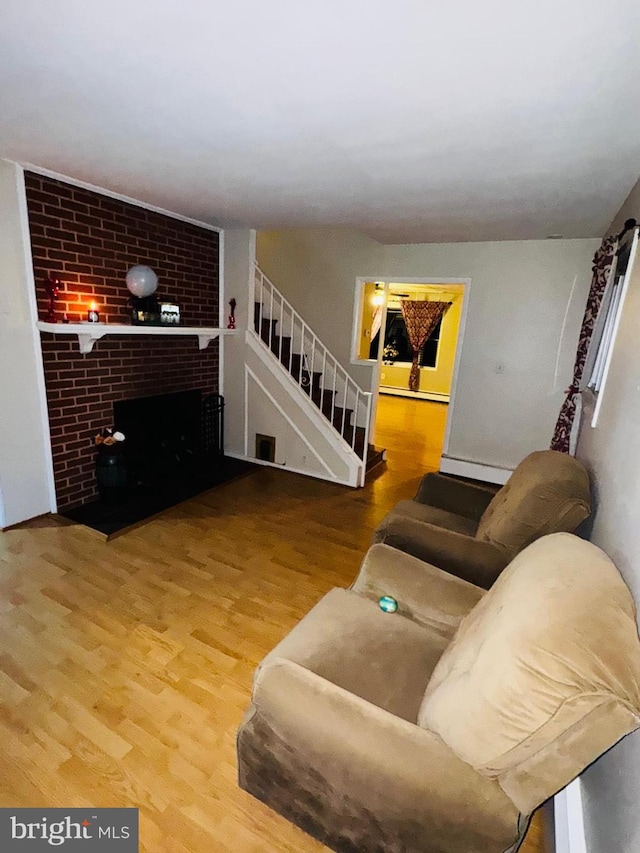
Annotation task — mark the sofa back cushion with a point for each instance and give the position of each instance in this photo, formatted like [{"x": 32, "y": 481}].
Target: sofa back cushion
[
  {"x": 543, "y": 674},
  {"x": 547, "y": 493}
]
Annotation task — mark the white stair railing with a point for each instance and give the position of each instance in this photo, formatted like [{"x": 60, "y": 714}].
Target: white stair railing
[{"x": 318, "y": 373}]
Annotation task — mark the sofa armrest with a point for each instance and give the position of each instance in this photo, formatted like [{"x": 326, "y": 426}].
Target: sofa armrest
[
  {"x": 474, "y": 560},
  {"x": 424, "y": 593},
  {"x": 456, "y": 496},
  {"x": 359, "y": 773}
]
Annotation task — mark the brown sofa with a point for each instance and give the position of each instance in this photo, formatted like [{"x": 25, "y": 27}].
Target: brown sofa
[
  {"x": 473, "y": 531},
  {"x": 441, "y": 728}
]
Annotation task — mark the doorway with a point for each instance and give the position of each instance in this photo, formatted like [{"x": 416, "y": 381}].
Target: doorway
[{"x": 381, "y": 339}]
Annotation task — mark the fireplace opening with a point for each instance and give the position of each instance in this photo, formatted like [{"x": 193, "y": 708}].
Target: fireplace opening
[
  {"x": 163, "y": 437},
  {"x": 173, "y": 449}
]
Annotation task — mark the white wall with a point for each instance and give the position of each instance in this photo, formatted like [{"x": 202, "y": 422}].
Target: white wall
[
  {"x": 277, "y": 407},
  {"x": 524, "y": 314},
  {"x": 611, "y": 787},
  {"x": 516, "y": 361},
  {"x": 26, "y": 487},
  {"x": 316, "y": 270},
  {"x": 239, "y": 255}
]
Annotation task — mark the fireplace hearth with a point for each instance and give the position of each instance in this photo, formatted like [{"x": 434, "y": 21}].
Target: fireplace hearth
[{"x": 173, "y": 450}]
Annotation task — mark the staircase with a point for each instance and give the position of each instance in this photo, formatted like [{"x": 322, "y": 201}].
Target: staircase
[{"x": 344, "y": 405}]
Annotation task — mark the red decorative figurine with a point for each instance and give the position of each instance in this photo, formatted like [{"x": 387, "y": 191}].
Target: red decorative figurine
[
  {"x": 53, "y": 286},
  {"x": 232, "y": 315}
]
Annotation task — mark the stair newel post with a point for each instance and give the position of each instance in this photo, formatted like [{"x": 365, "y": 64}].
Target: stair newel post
[{"x": 367, "y": 433}]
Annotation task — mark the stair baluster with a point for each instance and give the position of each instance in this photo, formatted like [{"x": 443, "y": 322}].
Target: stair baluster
[{"x": 299, "y": 352}]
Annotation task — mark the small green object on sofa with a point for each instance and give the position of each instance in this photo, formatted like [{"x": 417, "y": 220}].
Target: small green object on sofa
[{"x": 387, "y": 604}]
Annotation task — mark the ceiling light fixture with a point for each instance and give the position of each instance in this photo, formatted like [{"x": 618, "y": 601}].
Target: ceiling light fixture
[{"x": 378, "y": 295}]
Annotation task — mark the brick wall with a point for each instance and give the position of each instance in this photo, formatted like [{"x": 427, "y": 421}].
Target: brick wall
[{"x": 89, "y": 241}]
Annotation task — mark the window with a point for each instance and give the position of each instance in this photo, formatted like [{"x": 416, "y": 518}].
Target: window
[
  {"x": 606, "y": 338},
  {"x": 604, "y": 334},
  {"x": 396, "y": 342}
]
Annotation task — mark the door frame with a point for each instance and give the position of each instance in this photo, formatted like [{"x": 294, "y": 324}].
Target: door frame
[{"x": 376, "y": 364}]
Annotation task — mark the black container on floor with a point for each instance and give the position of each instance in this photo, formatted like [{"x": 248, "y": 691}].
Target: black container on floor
[{"x": 111, "y": 475}]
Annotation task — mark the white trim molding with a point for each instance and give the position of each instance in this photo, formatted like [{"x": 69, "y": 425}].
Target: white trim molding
[
  {"x": 65, "y": 179},
  {"x": 569, "y": 820},
  {"x": 386, "y": 280},
  {"x": 393, "y": 391},
  {"x": 281, "y": 467},
  {"x": 250, "y": 374},
  {"x": 30, "y": 282},
  {"x": 89, "y": 333},
  {"x": 474, "y": 470}
]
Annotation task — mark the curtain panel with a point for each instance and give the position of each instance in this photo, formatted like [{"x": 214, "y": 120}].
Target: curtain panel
[
  {"x": 601, "y": 269},
  {"x": 420, "y": 318},
  {"x": 376, "y": 321}
]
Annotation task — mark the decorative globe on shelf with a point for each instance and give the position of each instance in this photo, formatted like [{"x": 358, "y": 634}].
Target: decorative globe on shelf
[{"x": 142, "y": 281}]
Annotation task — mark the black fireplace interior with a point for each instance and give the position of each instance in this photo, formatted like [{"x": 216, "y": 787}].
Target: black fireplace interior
[
  {"x": 174, "y": 450},
  {"x": 163, "y": 437}
]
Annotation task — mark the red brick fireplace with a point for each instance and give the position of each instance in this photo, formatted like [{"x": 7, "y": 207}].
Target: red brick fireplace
[{"x": 89, "y": 241}]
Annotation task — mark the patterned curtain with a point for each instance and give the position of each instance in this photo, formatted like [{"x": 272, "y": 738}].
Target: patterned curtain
[
  {"x": 602, "y": 262},
  {"x": 420, "y": 318},
  {"x": 376, "y": 321}
]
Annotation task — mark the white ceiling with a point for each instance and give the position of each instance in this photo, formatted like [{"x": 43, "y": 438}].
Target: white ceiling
[{"x": 413, "y": 120}]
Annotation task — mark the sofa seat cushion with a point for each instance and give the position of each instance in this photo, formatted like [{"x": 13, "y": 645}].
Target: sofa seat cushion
[
  {"x": 361, "y": 780},
  {"x": 434, "y": 515},
  {"x": 552, "y": 642},
  {"x": 548, "y": 492},
  {"x": 383, "y": 658},
  {"x": 424, "y": 593}
]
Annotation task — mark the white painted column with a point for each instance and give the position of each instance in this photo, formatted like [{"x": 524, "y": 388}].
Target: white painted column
[
  {"x": 239, "y": 257},
  {"x": 569, "y": 820},
  {"x": 26, "y": 470}
]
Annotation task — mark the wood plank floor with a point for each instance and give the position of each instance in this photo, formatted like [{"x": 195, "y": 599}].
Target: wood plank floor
[{"x": 125, "y": 666}]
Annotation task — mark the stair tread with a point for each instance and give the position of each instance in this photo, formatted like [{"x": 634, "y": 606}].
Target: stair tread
[
  {"x": 375, "y": 455},
  {"x": 310, "y": 382}
]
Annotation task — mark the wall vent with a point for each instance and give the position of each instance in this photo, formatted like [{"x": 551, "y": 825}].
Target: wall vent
[{"x": 266, "y": 447}]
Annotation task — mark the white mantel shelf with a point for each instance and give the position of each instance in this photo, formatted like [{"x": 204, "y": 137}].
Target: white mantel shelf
[{"x": 89, "y": 333}]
